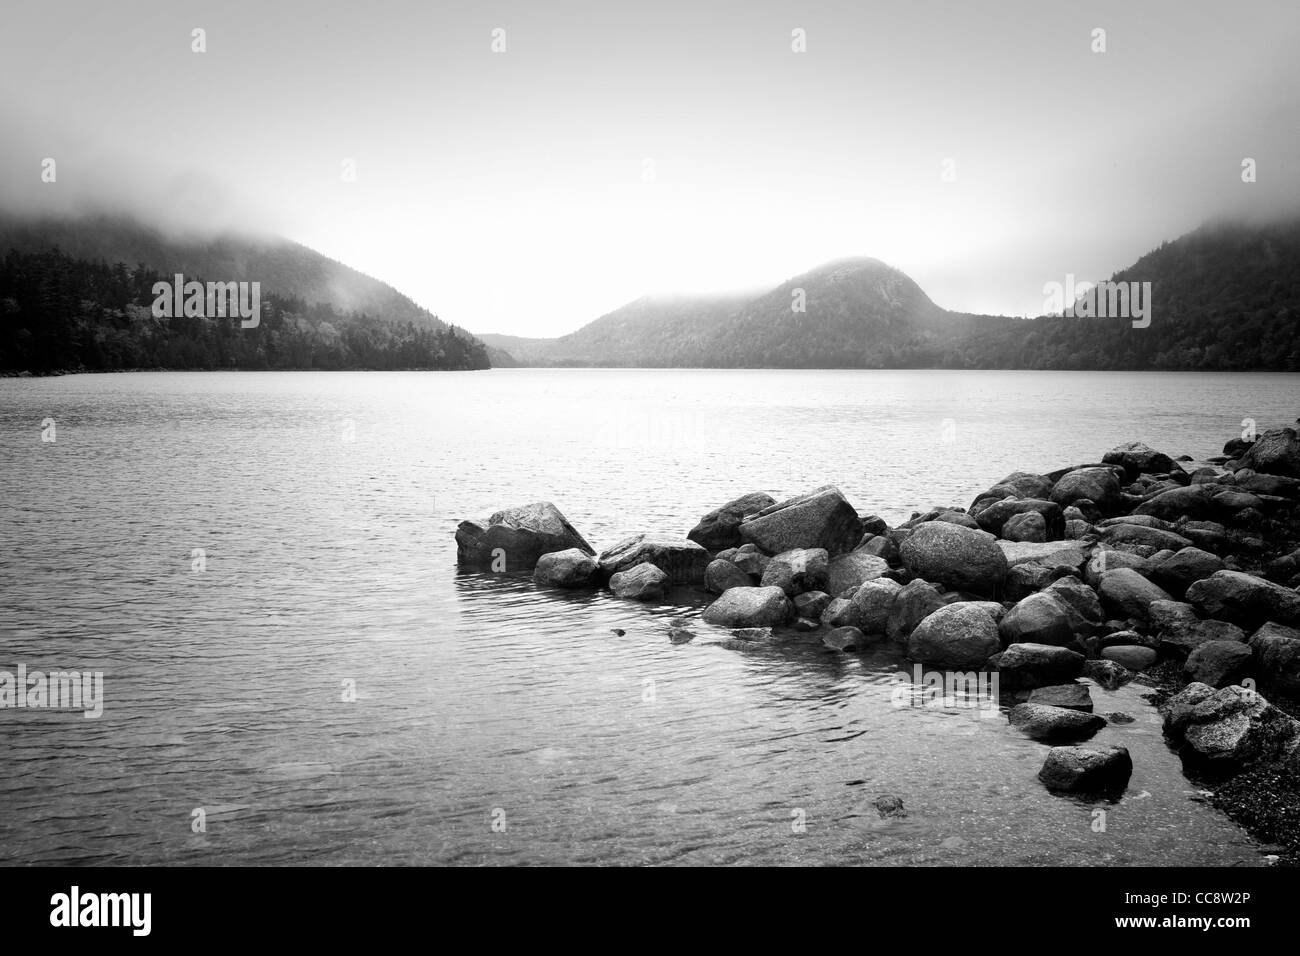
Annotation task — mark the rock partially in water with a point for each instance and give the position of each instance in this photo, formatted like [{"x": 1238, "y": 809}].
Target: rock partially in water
[
  {"x": 1044, "y": 722},
  {"x": 1095, "y": 768},
  {"x": 514, "y": 539},
  {"x": 1230, "y": 729},
  {"x": 680, "y": 635},
  {"x": 683, "y": 561},
  {"x": 750, "y": 607},
  {"x": 1108, "y": 674},
  {"x": 798, "y": 570},
  {"x": 1069, "y": 696},
  {"x": 573, "y": 568},
  {"x": 721, "y": 575},
  {"x": 846, "y": 639},
  {"x": 644, "y": 582},
  {"x": 1027, "y": 666},
  {"x": 960, "y": 635},
  {"x": 1276, "y": 452},
  {"x": 890, "y": 806}
]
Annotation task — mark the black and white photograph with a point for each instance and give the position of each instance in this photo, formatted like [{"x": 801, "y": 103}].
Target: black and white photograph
[{"x": 634, "y": 436}]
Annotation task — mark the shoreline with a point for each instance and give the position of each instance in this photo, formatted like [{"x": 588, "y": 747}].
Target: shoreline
[{"x": 1185, "y": 573}]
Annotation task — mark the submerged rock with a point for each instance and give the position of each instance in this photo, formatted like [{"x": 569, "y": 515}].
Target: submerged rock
[
  {"x": 1044, "y": 722},
  {"x": 846, "y": 639}
]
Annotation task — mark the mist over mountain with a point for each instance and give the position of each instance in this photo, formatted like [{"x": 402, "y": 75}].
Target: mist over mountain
[
  {"x": 1225, "y": 296},
  {"x": 75, "y": 294}
]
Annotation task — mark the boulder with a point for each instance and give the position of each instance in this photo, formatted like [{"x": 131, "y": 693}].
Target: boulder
[
  {"x": 798, "y": 570},
  {"x": 1078, "y": 596},
  {"x": 881, "y": 546},
  {"x": 1276, "y": 651},
  {"x": 960, "y": 635},
  {"x": 1180, "y": 638},
  {"x": 1026, "y": 666},
  {"x": 995, "y": 515},
  {"x": 1219, "y": 663},
  {"x": 870, "y": 607},
  {"x": 1105, "y": 559},
  {"x": 642, "y": 582},
  {"x": 720, "y": 528},
  {"x": 721, "y": 575},
  {"x": 912, "y": 604},
  {"x": 957, "y": 557},
  {"x": 520, "y": 536},
  {"x": 1276, "y": 452},
  {"x": 1037, "y": 619},
  {"x": 1091, "y": 769},
  {"x": 1029, "y": 526},
  {"x": 1137, "y": 458},
  {"x": 1026, "y": 579},
  {"x": 1069, "y": 696},
  {"x": 750, "y": 607},
  {"x": 1132, "y": 656},
  {"x": 1192, "y": 501},
  {"x": 1018, "y": 484},
  {"x": 1126, "y": 639},
  {"x": 1108, "y": 674},
  {"x": 1228, "y": 730},
  {"x": 1064, "y": 555},
  {"x": 822, "y": 518},
  {"x": 1043, "y": 722},
  {"x": 1126, "y": 593},
  {"x": 811, "y": 604},
  {"x": 1179, "y": 572},
  {"x": 681, "y": 559},
  {"x": 850, "y": 570},
  {"x": 1128, "y": 535},
  {"x": 571, "y": 568},
  {"x": 1276, "y": 485},
  {"x": 1098, "y": 485},
  {"x": 750, "y": 560},
  {"x": 1244, "y": 600}
]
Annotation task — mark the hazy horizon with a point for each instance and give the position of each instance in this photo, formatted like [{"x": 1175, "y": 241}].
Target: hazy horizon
[{"x": 606, "y": 154}]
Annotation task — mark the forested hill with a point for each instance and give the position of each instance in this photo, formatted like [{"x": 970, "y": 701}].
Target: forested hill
[
  {"x": 60, "y": 313},
  {"x": 1224, "y": 297}
]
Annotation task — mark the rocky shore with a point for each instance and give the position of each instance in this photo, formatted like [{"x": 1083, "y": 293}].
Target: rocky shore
[{"x": 1183, "y": 572}]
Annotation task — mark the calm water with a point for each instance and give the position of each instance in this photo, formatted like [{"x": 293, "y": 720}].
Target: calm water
[{"x": 325, "y": 505}]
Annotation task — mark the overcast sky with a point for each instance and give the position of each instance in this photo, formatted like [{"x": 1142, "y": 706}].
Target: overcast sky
[{"x": 618, "y": 149}]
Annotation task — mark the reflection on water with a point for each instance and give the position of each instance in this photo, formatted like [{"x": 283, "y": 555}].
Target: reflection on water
[{"x": 329, "y": 689}]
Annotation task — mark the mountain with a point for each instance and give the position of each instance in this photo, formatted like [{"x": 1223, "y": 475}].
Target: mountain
[
  {"x": 283, "y": 267},
  {"x": 1225, "y": 296},
  {"x": 75, "y": 294}
]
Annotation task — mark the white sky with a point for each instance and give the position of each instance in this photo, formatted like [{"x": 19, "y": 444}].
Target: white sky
[{"x": 508, "y": 192}]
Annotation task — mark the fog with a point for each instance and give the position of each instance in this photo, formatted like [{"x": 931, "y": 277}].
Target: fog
[{"x": 609, "y": 152}]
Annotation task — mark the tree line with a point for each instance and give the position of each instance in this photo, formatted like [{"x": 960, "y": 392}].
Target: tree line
[{"x": 63, "y": 314}]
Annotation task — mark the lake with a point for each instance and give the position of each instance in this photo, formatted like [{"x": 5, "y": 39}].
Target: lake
[{"x": 263, "y": 567}]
